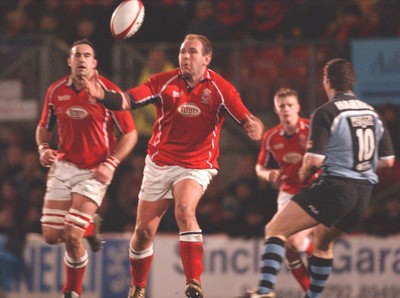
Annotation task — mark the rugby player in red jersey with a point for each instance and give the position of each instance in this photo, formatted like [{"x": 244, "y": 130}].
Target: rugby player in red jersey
[
  {"x": 279, "y": 162},
  {"x": 82, "y": 166},
  {"x": 192, "y": 102}
]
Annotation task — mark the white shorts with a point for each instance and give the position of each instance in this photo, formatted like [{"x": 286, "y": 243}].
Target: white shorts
[
  {"x": 158, "y": 181},
  {"x": 65, "y": 178},
  {"x": 283, "y": 199}
]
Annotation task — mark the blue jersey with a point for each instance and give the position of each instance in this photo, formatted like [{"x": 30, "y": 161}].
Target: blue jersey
[{"x": 350, "y": 136}]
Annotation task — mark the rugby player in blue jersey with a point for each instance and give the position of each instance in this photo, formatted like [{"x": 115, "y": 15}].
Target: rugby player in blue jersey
[{"x": 348, "y": 141}]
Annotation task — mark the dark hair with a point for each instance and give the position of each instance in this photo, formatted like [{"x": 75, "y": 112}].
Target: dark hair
[
  {"x": 85, "y": 41},
  {"x": 341, "y": 74}
]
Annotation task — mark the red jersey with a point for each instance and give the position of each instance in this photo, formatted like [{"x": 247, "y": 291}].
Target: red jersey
[
  {"x": 85, "y": 128},
  {"x": 287, "y": 151},
  {"x": 188, "y": 124}
]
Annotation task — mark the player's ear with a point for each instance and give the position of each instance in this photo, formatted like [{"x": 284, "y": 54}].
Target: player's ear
[
  {"x": 207, "y": 59},
  {"x": 69, "y": 61},
  {"x": 95, "y": 62}
]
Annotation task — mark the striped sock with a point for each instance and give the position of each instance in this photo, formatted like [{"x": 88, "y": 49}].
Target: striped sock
[
  {"x": 319, "y": 273},
  {"x": 274, "y": 252}
]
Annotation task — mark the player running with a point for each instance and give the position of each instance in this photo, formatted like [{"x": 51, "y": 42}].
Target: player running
[
  {"x": 279, "y": 162},
  {"x": 84, "y": 163},
  {"x": 349, "y": 141}
]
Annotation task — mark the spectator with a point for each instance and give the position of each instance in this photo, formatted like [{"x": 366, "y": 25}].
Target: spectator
[
  {"x": 156, "y": 61},
  {"x": 205, "y": 22}
]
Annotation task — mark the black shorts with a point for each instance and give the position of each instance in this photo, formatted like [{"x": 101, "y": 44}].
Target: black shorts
[{"x": 336, "y": 201}]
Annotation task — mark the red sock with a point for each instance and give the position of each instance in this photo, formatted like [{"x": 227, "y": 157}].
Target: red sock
[
  {"x": 309, "y": 249},
  {"x": 140, "y": 270},
  {"x": 192, "y": 259},
  {"x": 73, "y": 278},
  {"x": 89, "y": 230},
  {"x": 298, "y": 269}
]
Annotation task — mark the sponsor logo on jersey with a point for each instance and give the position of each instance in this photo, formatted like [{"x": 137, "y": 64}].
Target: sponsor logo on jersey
[
  {"x": 205, "y": 98},
  {"x": 76, "y": 112},
  {"x": 64, "y": 97},
  {"x": 189, "y": 110},
  {"x": 292, "y": 157},
  {"x": 278, "y": 146},
  {"x": 176, "y": 93}
]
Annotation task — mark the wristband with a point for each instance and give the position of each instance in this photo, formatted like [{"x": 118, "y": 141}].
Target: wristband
[
  {"x": 43, "y": 146},
  {"x": 111, "y": 162},
  {"x": 112, "y": 100}
]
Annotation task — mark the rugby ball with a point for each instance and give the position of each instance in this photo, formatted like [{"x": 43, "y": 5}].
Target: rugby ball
[{"x": 127, "y": 19}]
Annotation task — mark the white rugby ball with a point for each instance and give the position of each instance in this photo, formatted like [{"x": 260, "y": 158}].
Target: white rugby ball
[{"x": 127, "y": 19}]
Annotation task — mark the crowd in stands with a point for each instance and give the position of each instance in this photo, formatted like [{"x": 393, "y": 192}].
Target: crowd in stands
[
  {"x": 241, "y": 208},
  {"x": 169, "y": 20}
]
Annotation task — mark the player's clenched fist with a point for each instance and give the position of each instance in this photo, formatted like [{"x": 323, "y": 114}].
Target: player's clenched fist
[{"x": 47, "y": 155}]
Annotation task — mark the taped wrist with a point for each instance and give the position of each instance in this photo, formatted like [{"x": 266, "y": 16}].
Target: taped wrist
[
  {"x": 111, "y": 162},
  {"x": 42, "y": 148},
  {"x": 112, "y": 100}
]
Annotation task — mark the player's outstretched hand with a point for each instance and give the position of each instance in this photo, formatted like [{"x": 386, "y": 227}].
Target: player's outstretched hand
[
  {"x": 93, "y": 87},
  {"x": 253, "y": 127}
]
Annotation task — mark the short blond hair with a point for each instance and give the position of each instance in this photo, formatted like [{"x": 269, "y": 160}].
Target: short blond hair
[
  {"x": 285, "y": 92},
  {"x": 207, "y": 46}
]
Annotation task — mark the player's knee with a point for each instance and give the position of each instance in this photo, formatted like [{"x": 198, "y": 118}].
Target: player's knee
[
  {"x": 52, "y": 221},
  {"x": 52, "y": 236},
  {"x": 184, "y": 213},
  {"x": 143, "y": 233}
]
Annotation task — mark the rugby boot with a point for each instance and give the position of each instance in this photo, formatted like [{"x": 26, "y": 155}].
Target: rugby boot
[
  {"x": 136, "y": 292},
  {"x": 96, "y": 240},
  {"x": 71, "y": 294},
  {"x": 254, "y": 294},
  {"x": 193, "y": 289}
]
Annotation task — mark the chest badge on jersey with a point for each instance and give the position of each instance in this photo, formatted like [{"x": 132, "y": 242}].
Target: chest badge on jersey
[
  {"x": 189, "y": 110},
  {"x": 205, "y": 98},
  {"x": 292, "y": 157},
  {"x": 76, "y": 113}
]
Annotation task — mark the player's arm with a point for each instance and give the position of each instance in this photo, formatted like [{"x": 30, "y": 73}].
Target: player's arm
[
  {"x": 105, "y": 171},
  {"x": 43, "y": 139},
  {"x": 311, "y": 164},
  {"x": 386, "y": 151},
  {"x": 269, "y": 175},
  {"x": 253, "y": 127},
  {"x": 112, "y": 100}
]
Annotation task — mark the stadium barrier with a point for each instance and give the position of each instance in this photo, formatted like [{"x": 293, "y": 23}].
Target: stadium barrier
[{"x": 364, "y": 266}]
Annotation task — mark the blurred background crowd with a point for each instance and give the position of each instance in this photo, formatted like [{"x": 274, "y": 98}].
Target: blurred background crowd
[{"x": 241, "y": 205}]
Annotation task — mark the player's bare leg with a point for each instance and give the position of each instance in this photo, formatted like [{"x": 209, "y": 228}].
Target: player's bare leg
[
  {"x": 277, "y": 232},
  {"x": 187, "y": 194},
  {"x": 141, "y": 244},
  {"x": 296, "y": 246}
]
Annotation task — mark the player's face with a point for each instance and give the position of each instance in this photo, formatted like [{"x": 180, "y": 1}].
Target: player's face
[
  {"x": 82, "y": 61},
  {"x": 288, "y": 109},
  {"x": 192, "y": 62}
]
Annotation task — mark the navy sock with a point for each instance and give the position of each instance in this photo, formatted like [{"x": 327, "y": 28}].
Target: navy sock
[
  {"x": 271, "y": 261},
  {"x": 319, "y": 273}
]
